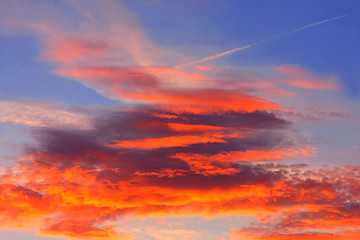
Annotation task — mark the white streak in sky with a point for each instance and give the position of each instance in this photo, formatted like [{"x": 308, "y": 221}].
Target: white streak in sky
[
  {"x": 317, "y": 23},
  {"x": 219, "y": 55}
]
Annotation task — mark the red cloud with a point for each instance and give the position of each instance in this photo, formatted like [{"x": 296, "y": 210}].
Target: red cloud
[{"x": 146, "y": 85}]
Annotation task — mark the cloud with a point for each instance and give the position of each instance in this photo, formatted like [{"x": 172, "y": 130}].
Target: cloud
[
  {"x": 69, "y": 50},
  {"x": 40, "y": 115},
  {"x": 301, "y": 78},
  {"x": 334, "y": 215},
  {"x": 206, "y": 142},
  {"x": 178, "y": 141},
  {"x": 291, "y": 200},
  {"x": 196, "y": 179},
  {"x": 250, "y": 155},
  {"x": 77, "y": 33},
  {"x": 152, "y": 86},
  {"x": 88, "y": 175}
]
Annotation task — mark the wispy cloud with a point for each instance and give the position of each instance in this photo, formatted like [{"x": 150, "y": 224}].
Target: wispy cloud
[
  {"x": 41, "y": 115},
  {"x": 301, "y": 78}
]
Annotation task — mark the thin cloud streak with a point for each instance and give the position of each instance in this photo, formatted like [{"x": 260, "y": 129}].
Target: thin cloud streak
[
  {"x": 216, "y": 56},
  {"x": 219, "y": 55},
  {"x": 317, "y": 23}
]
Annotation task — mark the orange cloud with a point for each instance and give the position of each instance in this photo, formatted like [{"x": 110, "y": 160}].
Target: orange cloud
[
  {"x": 147, "y": 85},
  {"x": 204, "y": 68},
  {"x": 301, "y": 78},
  {"x": 83, "y": 201},
  {"x": 79, "y": 229},
  {"x": 180, "y": 127},
  {"x": 178, "y": 141}
]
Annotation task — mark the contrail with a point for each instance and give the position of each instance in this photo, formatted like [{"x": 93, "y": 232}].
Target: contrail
[
  {"x": 219, "y": 55},
  {"x": 317, "y": 23}
]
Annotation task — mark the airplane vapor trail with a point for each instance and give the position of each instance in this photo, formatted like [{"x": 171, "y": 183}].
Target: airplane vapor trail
[
  {"x": 317, "y": 23},
  {"x": 219, "y": 55}
]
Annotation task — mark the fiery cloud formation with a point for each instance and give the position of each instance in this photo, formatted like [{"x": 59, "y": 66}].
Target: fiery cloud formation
[
  {"x": 204, "y": 142},
  {"x": 77, "y": 184}
]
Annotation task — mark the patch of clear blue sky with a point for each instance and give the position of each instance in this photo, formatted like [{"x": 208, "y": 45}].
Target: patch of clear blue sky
[
  {"x": 330, "y": 48},
  {"x": 24, "y": 77}
]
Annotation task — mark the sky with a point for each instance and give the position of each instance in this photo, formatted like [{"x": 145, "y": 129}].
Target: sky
[{"x": 201, "y": 119}]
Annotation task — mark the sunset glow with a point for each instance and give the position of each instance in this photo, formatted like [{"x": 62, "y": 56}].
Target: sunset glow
[{"x": 173, "y": 120}]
